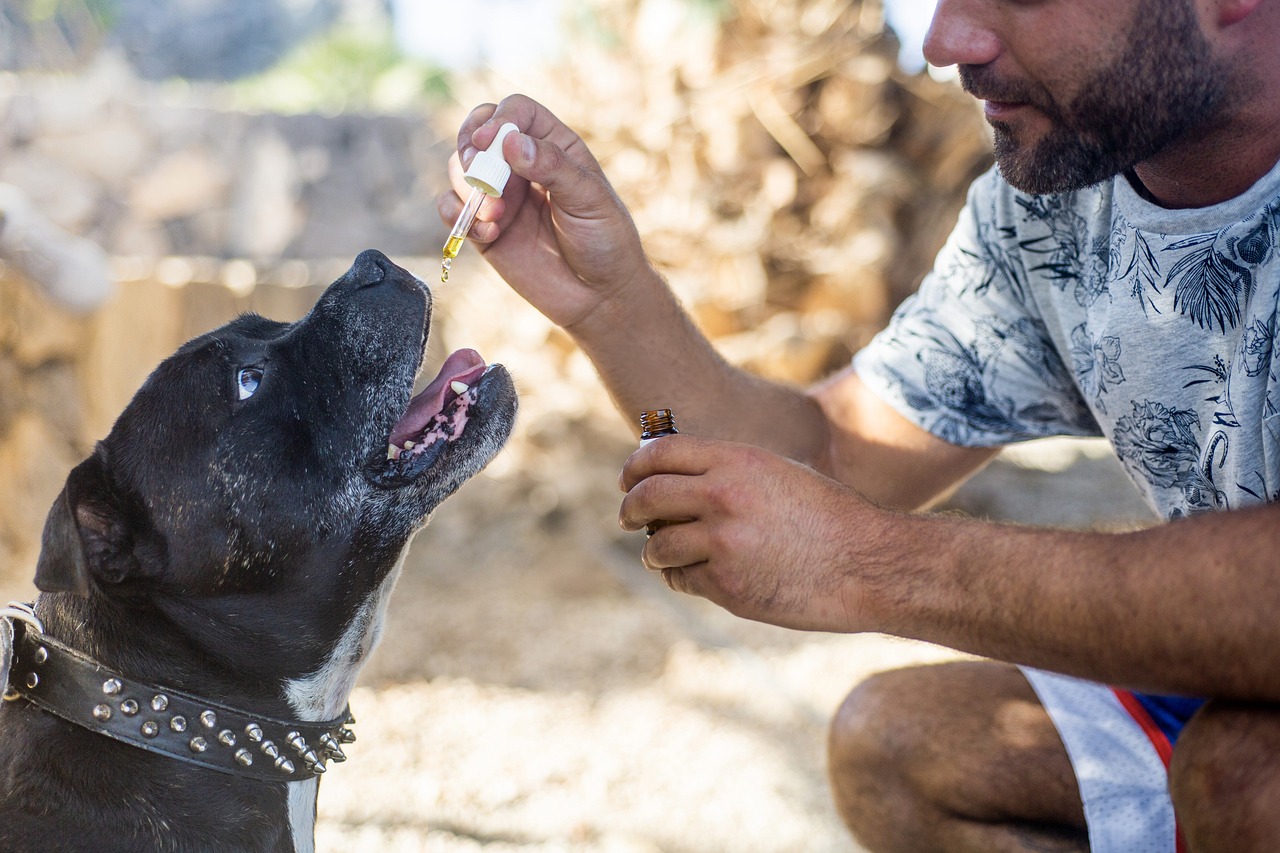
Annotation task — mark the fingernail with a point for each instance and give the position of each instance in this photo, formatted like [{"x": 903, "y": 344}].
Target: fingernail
[
  {"x": 527, "y": 148},
  {"x": 468, "y": 154}
]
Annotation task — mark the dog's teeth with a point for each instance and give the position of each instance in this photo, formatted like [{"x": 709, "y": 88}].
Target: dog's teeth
[
  {"x": 459, "y": 388},
  {"x": 393, "y": 452},
  {"x": 408, "y": 445}
]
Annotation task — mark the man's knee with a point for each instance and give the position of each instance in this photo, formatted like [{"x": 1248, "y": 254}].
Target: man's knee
[
  {"x": 871, "y": 730},
  {"x": 868, "y": 740},
  {"x": 1225, "y": 778}
]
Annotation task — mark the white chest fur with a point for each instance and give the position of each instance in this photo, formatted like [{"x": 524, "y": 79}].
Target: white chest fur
[{"x": 324, "y": 693}]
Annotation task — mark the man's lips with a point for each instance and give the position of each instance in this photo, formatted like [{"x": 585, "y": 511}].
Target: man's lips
[{"x": 1003, "y": 110}]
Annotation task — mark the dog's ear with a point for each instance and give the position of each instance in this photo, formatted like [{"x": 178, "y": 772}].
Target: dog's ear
[{"x": 87, "y": 538}]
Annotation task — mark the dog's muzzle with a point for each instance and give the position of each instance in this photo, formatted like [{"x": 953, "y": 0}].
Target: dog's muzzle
[{"x": 163, "y": 720}]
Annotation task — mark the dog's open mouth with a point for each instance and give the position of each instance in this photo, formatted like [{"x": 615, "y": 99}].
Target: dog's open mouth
[{"x": 438, "y": 414}]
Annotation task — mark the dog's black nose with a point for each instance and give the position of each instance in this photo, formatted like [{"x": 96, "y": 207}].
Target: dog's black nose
[{"x": 371, "y": 266}]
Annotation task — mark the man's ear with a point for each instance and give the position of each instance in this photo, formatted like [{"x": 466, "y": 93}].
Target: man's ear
[{"x": 88, "y": 539}]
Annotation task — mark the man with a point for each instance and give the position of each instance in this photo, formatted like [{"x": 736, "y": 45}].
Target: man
[{"x": 1117, "y": 275}]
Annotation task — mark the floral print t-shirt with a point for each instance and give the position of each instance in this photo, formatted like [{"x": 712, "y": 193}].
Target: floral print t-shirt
[{"x": 1097, "y": 313}]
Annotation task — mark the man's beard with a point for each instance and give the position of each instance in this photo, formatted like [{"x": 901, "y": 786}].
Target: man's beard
[{"x": 1164, "y": 84}]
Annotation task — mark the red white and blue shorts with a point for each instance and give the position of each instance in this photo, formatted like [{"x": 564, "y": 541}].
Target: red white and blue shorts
[{"x": 1120, "y": 744}]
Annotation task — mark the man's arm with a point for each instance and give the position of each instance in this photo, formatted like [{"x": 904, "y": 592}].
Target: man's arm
[
  {"x": 883, "y": 455},
  {"x": 562, "y": 239},
  {"x": 1184, "y": 608}
]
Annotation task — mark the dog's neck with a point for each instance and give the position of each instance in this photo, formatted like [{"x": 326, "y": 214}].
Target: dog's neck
[
  {"x": 152, "y": 641},
  {"x": 314, "y": 696},
  {"x": 322, "y": 694},
  {"x": 103, "y": 631}
]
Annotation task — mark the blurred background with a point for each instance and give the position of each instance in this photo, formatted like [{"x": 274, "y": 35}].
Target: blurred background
[{"x": 168, "y": 164}]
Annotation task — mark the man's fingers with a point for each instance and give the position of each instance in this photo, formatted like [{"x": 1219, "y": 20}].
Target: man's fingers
[
  {"x": 474, "y": 120},
  {"x": 661, "y": 498},
  {"x": 674, "y": 579},
  {"x": 579, "y": 188},
  {"x": 672, "y": 454},
  {"x": 684, "y": 579},
  {"x": 545, "y": 151},
  {"x": 535, "y": 120}
]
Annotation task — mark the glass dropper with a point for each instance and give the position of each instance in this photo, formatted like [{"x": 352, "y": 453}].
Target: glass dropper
[
  {"x": 460, "y": 230},
  {"x": 487, "y": 175}
]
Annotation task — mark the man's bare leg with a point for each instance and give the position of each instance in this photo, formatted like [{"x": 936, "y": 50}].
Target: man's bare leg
[
  {"x": 954, "y": 757},
  {"x": 1225, "y": 779}
]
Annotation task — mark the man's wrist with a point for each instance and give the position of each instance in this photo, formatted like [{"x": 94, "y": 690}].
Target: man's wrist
[{"x": 639, "y": 309}]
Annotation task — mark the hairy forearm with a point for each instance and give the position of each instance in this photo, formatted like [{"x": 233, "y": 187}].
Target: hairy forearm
[
  {"x": 650, "y": 354},
  {"x": 1185, "y": 608}
]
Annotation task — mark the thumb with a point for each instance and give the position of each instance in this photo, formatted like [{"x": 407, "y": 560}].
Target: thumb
[{"x": 573, "y": 178}]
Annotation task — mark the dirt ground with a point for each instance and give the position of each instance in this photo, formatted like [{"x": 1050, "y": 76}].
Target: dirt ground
[{"x": 537, "y": 690}]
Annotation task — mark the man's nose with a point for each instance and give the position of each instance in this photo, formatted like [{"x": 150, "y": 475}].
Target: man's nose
[{"x": 960, "y": 34}]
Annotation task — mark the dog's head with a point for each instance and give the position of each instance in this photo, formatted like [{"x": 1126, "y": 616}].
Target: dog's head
[{"x": 263, "y": 469}]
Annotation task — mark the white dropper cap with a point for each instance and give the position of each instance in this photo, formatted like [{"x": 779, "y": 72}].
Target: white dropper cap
[{"x": 489, "y": 171}]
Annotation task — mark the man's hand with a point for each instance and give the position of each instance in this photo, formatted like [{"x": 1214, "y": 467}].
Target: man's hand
[
  {"x": 559, "y": 235},
  {"x": 760, "y": 535}
]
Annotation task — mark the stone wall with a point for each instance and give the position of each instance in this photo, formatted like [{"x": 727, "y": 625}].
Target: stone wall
[{"x": 152, "y": 171}]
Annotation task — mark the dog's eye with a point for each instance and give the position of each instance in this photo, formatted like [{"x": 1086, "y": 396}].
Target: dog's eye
[{"x": 247, "y": 381}]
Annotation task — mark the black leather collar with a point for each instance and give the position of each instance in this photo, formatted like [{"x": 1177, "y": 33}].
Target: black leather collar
[{"x": 170, "y": 722}]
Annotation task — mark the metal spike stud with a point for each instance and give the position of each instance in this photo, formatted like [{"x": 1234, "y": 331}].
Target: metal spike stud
[
  {"x": 269, "y": 749},
  {"x": 226, "y": 737},
  {"x": 129, "y": 707},
  {"x": 313, "y": 760},
  {"x": 297, "y": 741},
  {"x": 102, "y": 713},
  {"x": 111, "y": 686},
  {"x": 244, "y": 757},
  {"x": 178, "y": 724},
  {"x": 208, "y": 719},
  {"x": 150, "y": 728},
  {"x": 345, "y": 735},
  {"x": 159, "y": 702},
  {"x": 198, "y": 745},
  {"x": 284, "y": 765},
  {"x": 32, "y": 680},
  {"x": 41, "y": 655},
  {"x": 254, "y": 731},
  {"x": 331, "y": 748}
]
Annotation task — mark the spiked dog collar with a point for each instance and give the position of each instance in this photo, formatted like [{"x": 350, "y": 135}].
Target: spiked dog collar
[{"x": 161, "y": 719}]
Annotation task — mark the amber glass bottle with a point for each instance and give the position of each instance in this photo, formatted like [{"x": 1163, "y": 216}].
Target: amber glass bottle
[{"x": 654, "y": 425}]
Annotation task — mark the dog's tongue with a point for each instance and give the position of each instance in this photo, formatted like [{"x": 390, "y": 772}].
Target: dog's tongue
[{"x": 465, "y": 366}]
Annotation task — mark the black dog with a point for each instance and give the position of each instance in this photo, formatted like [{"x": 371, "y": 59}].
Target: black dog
[{"x": 215, "y": 574}]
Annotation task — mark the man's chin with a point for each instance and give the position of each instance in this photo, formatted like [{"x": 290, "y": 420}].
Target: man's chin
[{"x": 1049, "y": 167}]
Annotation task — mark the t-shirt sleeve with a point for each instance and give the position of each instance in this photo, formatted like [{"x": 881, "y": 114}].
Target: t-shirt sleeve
[{"x": 968, "y": 357}]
